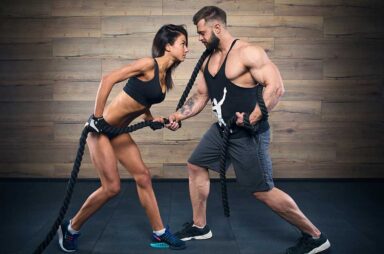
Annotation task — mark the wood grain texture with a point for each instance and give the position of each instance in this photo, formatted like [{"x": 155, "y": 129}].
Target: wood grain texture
[
  {"x": 232, "y": 7},
  {"x": 53, "y": 54},
  {"x": 326, "y": 8},
  {"x": 106, "y": 8}
]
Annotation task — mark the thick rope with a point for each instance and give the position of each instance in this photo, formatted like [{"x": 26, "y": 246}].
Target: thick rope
[
  {"x": 261, "y": 102},
  {"x": 223, "y": 158},
  {"x": 68, "y": 194},
  {"x": 224, "y": 149},
  {"x": 192, "y": 79}
]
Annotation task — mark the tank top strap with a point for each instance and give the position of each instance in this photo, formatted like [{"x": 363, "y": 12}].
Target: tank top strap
[
  {"x": 206, "y": 65},
  {"x": 156, "y": 68},
  {"x": 209, "y": 58},
  {"x": 230, "y": 48}
]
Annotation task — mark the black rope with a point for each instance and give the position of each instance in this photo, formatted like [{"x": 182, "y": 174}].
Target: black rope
[
  {"x": 253, "y": 129},
  {"x": 68, "y": 194},
  {"x": 261, "y": 102},
  {"x": 223, "y": 159},
  {"x": 192, "y": 79}
]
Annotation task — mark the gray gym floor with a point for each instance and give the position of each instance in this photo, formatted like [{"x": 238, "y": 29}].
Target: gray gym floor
[{"x": 349, "y": 212}]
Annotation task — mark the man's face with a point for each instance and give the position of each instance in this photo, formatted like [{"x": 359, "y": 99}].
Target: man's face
[{"x": 206, "y": 35}]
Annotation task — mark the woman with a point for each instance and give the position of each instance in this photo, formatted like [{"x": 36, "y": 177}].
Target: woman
[{"x": 149, "y": 79}]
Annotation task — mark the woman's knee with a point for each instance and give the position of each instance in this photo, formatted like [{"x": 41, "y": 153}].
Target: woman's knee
[
  {"x": 143, "y": 179},
  {"x": 111, "y": 190}
]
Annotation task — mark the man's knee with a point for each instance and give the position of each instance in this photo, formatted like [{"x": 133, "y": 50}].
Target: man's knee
[
  {"x": 199, "y": 179},
  {"x": 277, "y": 200},
  {"x": 192, "y": 168},
  {"x": 263, "y": 196}
]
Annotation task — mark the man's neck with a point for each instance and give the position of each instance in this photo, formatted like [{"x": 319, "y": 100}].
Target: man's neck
[{"x": 225, "y": 43}]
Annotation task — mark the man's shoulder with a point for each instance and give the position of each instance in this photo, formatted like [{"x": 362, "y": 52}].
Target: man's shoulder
[
  {"x": 246, "y": 48},
  {"x": 250, "y": 54}
]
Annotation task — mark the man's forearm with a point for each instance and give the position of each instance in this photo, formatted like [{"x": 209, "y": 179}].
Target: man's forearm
[
  {"x": 194, "y": 105},
  {"x": 271, "y": 96}
]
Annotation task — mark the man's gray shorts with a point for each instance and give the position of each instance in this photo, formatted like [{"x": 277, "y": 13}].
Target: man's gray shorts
[{"x": 249, "y": 156}]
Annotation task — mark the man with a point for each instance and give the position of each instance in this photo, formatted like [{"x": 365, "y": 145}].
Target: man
[{"x": 230, "y": 77}]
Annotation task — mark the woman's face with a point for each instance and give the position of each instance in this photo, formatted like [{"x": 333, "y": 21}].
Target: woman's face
[{"x": 179, "y": 48}]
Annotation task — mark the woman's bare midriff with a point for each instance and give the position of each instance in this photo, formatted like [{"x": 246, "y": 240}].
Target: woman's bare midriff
[{"x": 122, "y": 110}]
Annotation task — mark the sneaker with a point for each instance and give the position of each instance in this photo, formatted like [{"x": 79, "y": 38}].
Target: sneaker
[
  {"x": 190, "y": 232},
  {"x": 167, "y": 240},
  {"x": 67, "y": 241},
  {"x": 307, "y": 245}
]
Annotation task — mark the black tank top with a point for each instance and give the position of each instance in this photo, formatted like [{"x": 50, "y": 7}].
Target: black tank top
[
  {"x": 145, "y": 92},
  {"x": 228, "y": 98}
]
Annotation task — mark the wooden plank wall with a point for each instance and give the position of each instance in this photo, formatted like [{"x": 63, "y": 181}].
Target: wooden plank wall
[{"x": 330, "y": 53}]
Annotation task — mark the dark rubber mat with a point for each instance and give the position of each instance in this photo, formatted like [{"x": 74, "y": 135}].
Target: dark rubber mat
[{"x": 349, "y": 212}]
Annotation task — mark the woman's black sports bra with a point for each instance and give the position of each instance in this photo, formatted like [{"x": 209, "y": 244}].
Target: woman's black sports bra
[{"x": 146, "y": 92}]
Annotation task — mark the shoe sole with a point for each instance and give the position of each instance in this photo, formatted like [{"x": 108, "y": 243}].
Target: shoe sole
[
  {"x": 199, "y": 237},
  {"x": 166, "y": 246},
  {"x": 159, "y": 245},
  {"x": 321, "y": 248},
  {"x": 60, "y": 235}
]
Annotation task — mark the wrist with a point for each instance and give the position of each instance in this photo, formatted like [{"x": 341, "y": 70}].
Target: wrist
[
  {"x": 254, "y": 118},
  {"x": 147, "y": 118}
]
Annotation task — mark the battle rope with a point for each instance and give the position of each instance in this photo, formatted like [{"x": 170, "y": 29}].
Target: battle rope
[
  {"x": 252, "y": 129},
  {"x": 223, "y": 155},
  {"x": 108, "y": 129},
  {"x": 187, "y": 89}
]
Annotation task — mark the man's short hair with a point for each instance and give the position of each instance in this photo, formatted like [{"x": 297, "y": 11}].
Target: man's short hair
[{"x": 209, "y": 13}]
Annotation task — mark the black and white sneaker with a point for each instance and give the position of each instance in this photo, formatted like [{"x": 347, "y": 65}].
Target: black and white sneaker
[
  {"x": 190, "y": 232},
  {"x": 307, "y": 245}
]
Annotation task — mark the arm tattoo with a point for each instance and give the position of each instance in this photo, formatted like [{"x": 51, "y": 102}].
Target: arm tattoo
[{"x": 187, "y": 109}]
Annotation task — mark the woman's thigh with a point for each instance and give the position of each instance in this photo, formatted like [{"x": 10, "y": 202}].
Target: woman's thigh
[
  {"x": 128, "y": 153},
  {"x": 103, "y": 158}
]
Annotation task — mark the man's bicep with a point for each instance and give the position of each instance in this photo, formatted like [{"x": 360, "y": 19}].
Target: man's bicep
[
  {"x": 267, "y": 74},
  {"x": 256, "y": 60},
  {"x": 202, "y": 88}
]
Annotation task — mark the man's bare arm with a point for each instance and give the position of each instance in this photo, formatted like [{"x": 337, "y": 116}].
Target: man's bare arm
[
  {"x": 265, "y": 72},
  {"x": 194, "y": 104}
]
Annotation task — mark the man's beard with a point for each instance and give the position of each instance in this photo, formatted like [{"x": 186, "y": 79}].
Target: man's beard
[{"x": 213, "y": 43}]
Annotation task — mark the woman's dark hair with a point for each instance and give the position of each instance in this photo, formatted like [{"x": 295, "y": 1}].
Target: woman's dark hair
[{"x": 167, "y": 34}]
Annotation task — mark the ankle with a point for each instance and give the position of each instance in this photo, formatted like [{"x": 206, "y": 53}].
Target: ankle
[
  {"x": 159, "y": 232},
  {"x": 71, "y": 229},
  {"x": 197, "y": 226}
]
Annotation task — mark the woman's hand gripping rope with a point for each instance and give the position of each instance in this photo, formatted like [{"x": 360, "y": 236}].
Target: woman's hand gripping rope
[{"x": 99, "y": 125}]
